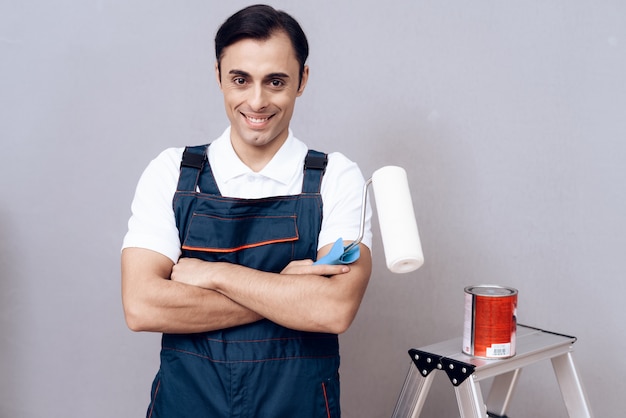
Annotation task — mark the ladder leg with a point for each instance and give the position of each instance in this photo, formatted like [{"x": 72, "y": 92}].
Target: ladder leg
[
  {"x": 501, "y": 392},
  {"x": 413, "y": 394},
  {"x": 470, "y": 399},
  {"x": 571, "y": 386}
]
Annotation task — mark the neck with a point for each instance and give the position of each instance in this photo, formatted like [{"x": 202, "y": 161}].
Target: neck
[
  {"x": 257, "y": 157},
  {"x": 256, "y": 153}
]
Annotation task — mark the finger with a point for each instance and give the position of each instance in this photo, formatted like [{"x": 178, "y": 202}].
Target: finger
[
  {"x": 306, "y": 262},
  {"x": 318, "y": 269},
  {"x": 329, "y": 269}
]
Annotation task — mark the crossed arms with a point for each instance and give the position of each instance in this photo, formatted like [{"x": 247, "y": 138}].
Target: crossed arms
[{"x": 197, "y": 296}]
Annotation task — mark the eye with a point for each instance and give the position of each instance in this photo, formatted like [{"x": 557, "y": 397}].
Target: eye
[
  {"x": 277, "y": 83},
  {"x": 240, "y": 81}
]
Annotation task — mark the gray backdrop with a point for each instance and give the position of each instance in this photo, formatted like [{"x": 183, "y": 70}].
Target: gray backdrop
[{"x": 509, "y": 117}]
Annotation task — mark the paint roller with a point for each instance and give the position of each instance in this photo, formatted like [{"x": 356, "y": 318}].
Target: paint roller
[{"x": 396, "y": 217}]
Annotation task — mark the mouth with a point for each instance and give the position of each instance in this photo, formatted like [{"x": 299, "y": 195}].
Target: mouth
[{"x": 253, "y": 120}]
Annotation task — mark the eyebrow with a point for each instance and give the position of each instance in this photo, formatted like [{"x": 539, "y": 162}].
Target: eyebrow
[
  {"x": 277, "y": 75},
  {"x": 268, "y": 76},
  {"x": 239, "y": 72}
]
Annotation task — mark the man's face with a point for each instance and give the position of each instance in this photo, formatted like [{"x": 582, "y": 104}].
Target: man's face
[{"x": 260, "y": 81}]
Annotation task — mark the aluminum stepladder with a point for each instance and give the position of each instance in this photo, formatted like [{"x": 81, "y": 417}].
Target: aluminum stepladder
[{"x": 465, "y": 372}]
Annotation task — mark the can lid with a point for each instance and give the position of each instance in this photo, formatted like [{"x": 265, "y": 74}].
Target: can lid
[{"x": 490, "y": 290}]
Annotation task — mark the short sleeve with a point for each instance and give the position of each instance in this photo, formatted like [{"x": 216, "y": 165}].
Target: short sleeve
[
  {"x": 152, "y": 224},
  {"x": 342, "y": 194}
]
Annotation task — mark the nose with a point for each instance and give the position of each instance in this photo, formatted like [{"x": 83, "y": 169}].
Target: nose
[{"x": 258, "y": 98}]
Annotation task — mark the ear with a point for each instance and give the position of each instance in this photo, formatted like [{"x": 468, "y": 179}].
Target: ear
[
  {"x": 305, "y": 78},
  {"x": 218, "y": 76}
]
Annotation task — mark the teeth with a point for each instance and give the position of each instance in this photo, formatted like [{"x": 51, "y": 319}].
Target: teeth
[{"x": 256, "y": 120}]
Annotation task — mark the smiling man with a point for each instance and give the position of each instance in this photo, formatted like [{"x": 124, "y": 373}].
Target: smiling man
[
  {"x": 220, "y": 248},
  {"x": 261, "y": 80}
]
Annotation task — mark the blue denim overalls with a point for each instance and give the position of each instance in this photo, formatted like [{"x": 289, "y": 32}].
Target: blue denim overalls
[{"x": 261, "y": 369}]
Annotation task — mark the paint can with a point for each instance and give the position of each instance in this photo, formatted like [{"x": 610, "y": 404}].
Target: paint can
[{"x": 490, "y": 321}]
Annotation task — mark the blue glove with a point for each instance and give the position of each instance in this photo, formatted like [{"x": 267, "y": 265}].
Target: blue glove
[{"x": 338, "y": 255}]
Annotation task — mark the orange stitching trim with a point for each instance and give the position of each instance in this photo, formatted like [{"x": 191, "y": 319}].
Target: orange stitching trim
[
  {"x": 156, "y": 391},
  {"x": 243, "y": 247},
  {"x": 326, "y": 399},
  {"x": 176, "y": 350}
]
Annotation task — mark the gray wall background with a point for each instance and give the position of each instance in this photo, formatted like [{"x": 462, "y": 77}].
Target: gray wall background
[{"x": 509, "y": 117}]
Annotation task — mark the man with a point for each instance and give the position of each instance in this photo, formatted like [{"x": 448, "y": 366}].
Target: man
[{"x": 218, "y": 256}]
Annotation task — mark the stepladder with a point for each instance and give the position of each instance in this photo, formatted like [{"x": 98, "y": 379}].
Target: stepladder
[{"x": 466, "y": 372}]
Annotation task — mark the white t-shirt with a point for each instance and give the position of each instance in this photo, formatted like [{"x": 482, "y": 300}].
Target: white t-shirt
[{"x": 152, "y": 224}]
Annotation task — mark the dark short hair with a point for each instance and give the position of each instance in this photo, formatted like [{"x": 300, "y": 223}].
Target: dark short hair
[{"x": 260, "y": 22}]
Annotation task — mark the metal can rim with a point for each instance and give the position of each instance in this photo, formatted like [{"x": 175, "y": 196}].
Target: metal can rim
[{"x": 511, "y": 291}]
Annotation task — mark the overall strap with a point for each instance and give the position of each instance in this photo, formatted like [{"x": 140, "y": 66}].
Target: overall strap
[
  {"x": 195, "y": 171},
  {"x": 314, "y": 169}
]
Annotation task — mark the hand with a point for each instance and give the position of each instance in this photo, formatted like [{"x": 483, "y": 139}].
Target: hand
[
  {"x": 193, "y": 271},
  {"x": 307, "y": 267}
]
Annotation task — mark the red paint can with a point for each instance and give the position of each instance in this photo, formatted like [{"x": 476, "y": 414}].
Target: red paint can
[{"x": 490, "y": 321}]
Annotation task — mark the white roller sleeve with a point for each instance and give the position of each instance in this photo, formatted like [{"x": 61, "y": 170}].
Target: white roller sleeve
[{"x": 398, "y": 227}]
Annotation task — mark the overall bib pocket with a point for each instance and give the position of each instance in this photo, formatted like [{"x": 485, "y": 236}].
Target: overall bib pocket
[{"x": 206, "y": 232}]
